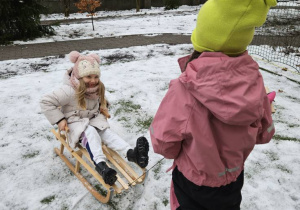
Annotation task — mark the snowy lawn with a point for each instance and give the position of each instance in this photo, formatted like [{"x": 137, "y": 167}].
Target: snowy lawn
[
  {"x": 136, "y": 78},
  {"x": 146, "y": 22}
]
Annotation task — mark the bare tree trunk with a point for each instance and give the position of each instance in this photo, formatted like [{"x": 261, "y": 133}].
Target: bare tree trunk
[
  {"x": 67, "y": 7},
  {"x": 93, "y": 22},
  {"x": 138, "y": 5}
]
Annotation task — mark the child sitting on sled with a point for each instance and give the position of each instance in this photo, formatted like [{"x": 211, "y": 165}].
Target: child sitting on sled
[
  {"x": 217, "y": 110},
  {"x": 77, "y": 105}
]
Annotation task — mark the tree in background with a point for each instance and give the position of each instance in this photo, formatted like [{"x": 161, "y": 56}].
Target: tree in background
[
  {"x": 20, "y": 20},
  {"x": 67, "y": 4},
  {"x": 88, "y": 6},
  {"x": 171, "y": 4},
  {"x": 138, "y": 5}
]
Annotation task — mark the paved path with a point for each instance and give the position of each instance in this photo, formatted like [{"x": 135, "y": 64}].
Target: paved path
[{"x": 64, "y": 47}]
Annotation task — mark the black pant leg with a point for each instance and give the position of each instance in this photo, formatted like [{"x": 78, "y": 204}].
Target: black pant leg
[{"x": 194, "y": 197}]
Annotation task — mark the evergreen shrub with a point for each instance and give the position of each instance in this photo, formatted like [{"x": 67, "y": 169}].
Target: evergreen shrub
[
  {"x": 20, "y": 20},
  {"x": 171, "y": 4}
]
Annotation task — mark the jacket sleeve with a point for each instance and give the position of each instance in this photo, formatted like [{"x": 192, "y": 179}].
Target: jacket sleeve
[
  {"x": 51, "y": 103},
  {"x": 266, "y": 125},
  {"x": 169, "y": 124}
]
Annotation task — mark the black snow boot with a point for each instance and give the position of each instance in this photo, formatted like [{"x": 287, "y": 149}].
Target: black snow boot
[
  {"x": 139, "y": 154},
  {"x": 108, "y": 174}
]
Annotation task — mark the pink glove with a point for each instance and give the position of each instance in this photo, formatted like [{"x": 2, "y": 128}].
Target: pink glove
[{"x": 271, "y": 96}]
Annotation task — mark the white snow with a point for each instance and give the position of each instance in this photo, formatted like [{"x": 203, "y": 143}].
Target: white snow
[{"x": 31, "y": 173}]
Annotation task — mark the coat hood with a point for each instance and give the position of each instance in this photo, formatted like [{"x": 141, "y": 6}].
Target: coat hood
[
  {"x": 66, "y": 77},
  {"x": 230, "y": 87}
]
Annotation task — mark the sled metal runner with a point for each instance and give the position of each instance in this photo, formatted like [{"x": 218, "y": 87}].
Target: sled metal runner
[{"x": 130, "y": 176}]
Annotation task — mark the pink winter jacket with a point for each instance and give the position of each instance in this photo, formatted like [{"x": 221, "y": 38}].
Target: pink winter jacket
[{"x": 211, "y": 118}]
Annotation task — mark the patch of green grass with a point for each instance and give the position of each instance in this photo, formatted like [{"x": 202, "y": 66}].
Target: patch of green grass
[
  {"x": 281, "y": 121},
  {"x": 272, "y": 155},
  {"x": 168, "y": 53},
  {"x": 285, "y": 138},
  {"x": 125, "y": 119},
  {"x": 118, "y": 57},
  {"x": 165, "y": 87},
  {"x": 100, "y": 189},
  {"x": 112, "y": 204},
  {"x": 156, "y": 170},
  {"x": 127, "y": 106},
  {"x": 111, "y": 91},
  {"x": 35, "y": 134},
  {"x": 284, "y": 169},
  {"x": 132, "y": 116},
  {"x": 155, "y": 206},
  {"x": 165, "y": 201},
  {"x": 4, "y": 145},
  {"x": 144, "y": 124},
  {"x": 125, "y": 122},
  {"x": 106, "y": 64},
  {"x": 293, "y": 125},
  {"x": 64, "y": 207},
  {"x": 48, "y": 199},
  {"x": 31, "y": 154},
  {"x": 248, "y": 175},
  {"x": 293, "y": 98},
  {"x": 49, "y": 138},
  {"x": 2, "y": 168}
]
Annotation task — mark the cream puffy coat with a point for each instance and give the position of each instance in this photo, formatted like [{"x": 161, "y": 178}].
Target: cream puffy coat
[{"x": 62, "y": 103}]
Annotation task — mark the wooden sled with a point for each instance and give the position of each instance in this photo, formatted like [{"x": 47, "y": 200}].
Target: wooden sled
[{"x": 129, "y": 176}]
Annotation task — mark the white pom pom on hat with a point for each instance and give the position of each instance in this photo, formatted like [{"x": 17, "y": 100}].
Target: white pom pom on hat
[
  {"x": 74, "y": 55},
  {"x": 96, "y": 57},
  {"x": 85, "y": 65}
]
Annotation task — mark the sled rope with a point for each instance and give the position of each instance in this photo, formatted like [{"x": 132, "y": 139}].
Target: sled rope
[{"x": 129, "y": 184}]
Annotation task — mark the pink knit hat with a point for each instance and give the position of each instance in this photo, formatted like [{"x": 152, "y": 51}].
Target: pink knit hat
[{"x": 85, "y": 64}]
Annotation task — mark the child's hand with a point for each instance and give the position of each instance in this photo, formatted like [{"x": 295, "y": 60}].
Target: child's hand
[
  {"x": 271, "y": 96},
  {"x": 104, "y": 111},
  {"x": 62, "y": 125}
]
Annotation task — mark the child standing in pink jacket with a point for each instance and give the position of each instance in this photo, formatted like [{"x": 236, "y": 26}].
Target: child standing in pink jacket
[{"x": 217, "y": 110}]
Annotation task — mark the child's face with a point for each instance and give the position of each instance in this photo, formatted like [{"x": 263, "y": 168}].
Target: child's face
[{"x": 91, "y": 80}]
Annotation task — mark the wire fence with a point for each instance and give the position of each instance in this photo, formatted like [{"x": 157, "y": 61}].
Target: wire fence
[{"x": 279, "y": 38}]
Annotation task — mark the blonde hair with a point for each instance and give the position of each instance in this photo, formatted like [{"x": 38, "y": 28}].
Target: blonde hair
[{"x": 80, "y": 93}]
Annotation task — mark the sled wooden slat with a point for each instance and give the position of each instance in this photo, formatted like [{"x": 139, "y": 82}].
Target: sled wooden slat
[
  {"x": 120, "y": 180},
  {"x": 77, "y": 166},
  {"x": 88, "y": 186},
  {"x": 62, "y": 140},
  {"x": 108, "y": 152},
  {"x": 97, "y": 176},
  {"x": 62, "y": 147},
  {"x": 86, "y": 154},
  {"x": 119, "y": 163},
  {"x": 124, "y": 164}
]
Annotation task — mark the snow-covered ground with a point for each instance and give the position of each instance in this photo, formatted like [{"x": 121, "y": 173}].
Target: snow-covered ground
[
  {"x": 118, "y": 23},
  {"x": 136, "y": 79},
  {"x": 148, "y": 21}
]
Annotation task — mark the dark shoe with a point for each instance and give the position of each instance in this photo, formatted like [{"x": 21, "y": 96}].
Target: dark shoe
[
  {"x": 108, "y": 174},
  {"x": 139, "y": 154}
]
